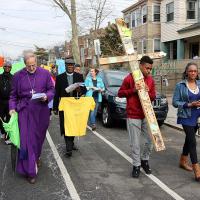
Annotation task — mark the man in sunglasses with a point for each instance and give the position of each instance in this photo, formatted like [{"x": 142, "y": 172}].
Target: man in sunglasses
[
  {"x": 5, "y": 88},
  {"x": 136, "y": 122}
]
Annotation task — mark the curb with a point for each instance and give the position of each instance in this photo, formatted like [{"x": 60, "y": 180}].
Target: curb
[
  {"x": 177, "y": 128},
  {"x": 173, "y": 126}
]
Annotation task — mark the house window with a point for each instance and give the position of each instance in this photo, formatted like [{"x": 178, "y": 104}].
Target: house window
[
  {"x": 191, "y": 9},
  {"x": 133, "y": 20},
  {"x": 138, "y": 17},
  {"x": 156, "y": 13},
  {"x": 144, "y": 46},
  {"x": 144, "y": 14},
  {"x": 86, "y": 44},
  {"x": 127, "y": 20},
  {"x": 135, "y": 46},
  {"x": 170, "y": 11},
  {"x": 157, "y": 45}
]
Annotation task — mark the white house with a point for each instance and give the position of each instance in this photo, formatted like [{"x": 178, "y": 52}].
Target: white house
[{"x": 180, "y": 28}]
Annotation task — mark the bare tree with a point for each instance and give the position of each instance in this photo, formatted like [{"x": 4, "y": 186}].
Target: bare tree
[
  {"x": 94, "y": 12},
  {"x": 71, "y": 13}
]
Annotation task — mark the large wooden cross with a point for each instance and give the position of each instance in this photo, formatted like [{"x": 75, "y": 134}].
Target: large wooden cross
[{"x": 132, "y": 59}]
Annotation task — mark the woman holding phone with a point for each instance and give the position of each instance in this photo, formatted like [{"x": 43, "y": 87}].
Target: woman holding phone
[
  {"x": 95, "y": 87},
  {"x": 186, "y": 98}
]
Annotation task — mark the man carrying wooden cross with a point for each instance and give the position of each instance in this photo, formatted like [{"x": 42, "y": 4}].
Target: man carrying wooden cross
[{"x": 136, "y": 122}]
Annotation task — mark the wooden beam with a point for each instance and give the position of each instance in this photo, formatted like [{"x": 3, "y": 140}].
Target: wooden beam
[
  {"x": 154, "y": 130},
  {"x": 128, "y": 58}
]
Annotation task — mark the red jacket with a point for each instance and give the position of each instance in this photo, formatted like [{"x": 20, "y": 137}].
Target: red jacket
[{"x": 127, "y": 90}]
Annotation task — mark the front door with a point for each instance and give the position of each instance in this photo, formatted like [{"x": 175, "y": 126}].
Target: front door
[{"x": 194, "y": 50}]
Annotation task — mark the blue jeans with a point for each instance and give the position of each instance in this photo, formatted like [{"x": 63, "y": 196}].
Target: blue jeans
[{"x": 92, "y": 118}]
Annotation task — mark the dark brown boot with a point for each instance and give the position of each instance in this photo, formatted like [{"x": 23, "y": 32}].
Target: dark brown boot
[
  {"x": 196, "y": 169},
  {"x": 184, "y": 163}
]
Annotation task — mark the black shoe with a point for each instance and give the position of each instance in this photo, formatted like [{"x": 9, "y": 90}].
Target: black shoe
[
  {"x": 136, "y": 172},
  {"x": 145, "y": 166},
  {"x": 94, "y": 127},
  {"x": 75, "y": 148},
  {"x": 68, "y": 154}
]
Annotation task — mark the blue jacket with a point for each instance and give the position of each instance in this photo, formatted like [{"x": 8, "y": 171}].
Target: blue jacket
[
  {"x": 181, "y": 97},
  {"x": 89, "y": 83}
]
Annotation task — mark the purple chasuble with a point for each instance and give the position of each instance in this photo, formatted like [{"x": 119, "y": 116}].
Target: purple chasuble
[{"x": 33, "y": 115}]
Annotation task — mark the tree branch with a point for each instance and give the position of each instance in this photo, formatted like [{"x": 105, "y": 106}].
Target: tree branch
[{"x": 63, "y": 6}]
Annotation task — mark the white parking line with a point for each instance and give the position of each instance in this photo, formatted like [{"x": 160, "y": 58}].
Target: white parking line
[
  {"x": 152, "y": 177},
  {"x": 70, "y": 186}
]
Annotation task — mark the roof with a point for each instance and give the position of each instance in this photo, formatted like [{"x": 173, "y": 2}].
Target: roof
[
  {"x": 133, "y": 6},
  {"x": 189, "y": 28}
]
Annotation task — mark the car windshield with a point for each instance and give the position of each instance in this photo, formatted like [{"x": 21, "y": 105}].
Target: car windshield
[{"x": 115, "y": 79}]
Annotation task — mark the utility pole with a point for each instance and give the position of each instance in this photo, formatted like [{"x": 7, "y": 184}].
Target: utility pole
[
  {"x": 198, "y": 6},
  {"x": 71, "y": 13}
]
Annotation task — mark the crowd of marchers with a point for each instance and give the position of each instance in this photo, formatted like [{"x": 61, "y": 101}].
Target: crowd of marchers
[{"x": 35, "y": 94}]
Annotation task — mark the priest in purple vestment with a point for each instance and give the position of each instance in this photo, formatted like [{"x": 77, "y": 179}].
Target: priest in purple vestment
[{"x": 33, "y": 113}]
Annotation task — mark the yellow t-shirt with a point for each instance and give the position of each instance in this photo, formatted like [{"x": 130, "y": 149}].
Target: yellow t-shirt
[{"x": 76, "y": 112}]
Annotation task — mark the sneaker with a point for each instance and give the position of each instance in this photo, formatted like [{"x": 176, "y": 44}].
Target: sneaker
[
  {"x": 75, "y": 148},
  {"x": 68, "y": 154},
  {"x": 145, "y": 166},
  {"x": 136, "y": 172},
  {"x": 8, "y": 142}
]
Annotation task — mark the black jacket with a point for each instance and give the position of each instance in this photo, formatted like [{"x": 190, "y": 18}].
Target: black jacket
[
  {"x": 62, "y": 83},
  {"x": 5, "y": 86}
]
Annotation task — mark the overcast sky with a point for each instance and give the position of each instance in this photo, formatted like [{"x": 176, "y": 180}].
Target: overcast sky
[{"x": 24, "y": 23}]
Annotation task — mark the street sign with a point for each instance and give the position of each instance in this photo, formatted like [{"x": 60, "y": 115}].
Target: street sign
[
  {"x": 82, "y": 55},
  {"x": 97, "y": 47}
]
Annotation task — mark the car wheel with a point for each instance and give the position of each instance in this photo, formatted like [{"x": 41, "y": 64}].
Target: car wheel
[
  {"x": 160, "y": 123},
  {"x": 106, "y": 116}
]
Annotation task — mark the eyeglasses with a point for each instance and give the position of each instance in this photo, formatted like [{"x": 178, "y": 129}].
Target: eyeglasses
[
  {"x": 31, "y": 65},
  {"x": 191, "y": 71},
  {"x": 7, "y": 66}
]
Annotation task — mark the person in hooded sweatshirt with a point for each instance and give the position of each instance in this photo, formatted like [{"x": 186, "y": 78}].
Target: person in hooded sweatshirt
[{"x": 5, "y": 88}]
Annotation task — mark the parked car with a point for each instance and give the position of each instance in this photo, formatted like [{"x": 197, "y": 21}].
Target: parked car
[{"x": 113, "y": 108}]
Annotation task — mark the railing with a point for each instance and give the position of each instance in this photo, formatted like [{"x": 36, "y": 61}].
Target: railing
[{"x": 167, "y": 74}]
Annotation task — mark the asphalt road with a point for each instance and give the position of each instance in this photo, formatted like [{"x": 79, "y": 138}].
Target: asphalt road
[{"x": 100, "y": 170}]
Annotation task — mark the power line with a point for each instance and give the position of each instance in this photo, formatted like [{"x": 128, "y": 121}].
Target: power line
[
  {"x": 13, "y": 44},
  {"x": 22, "y": 10},
  {"x": 26, "y": 18},
  {"x": 22, "y": 30},
  {"x": 25, "y": 10},
  {"x": 36, "y": 2},
  {"x": 21, "y": 43}
]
